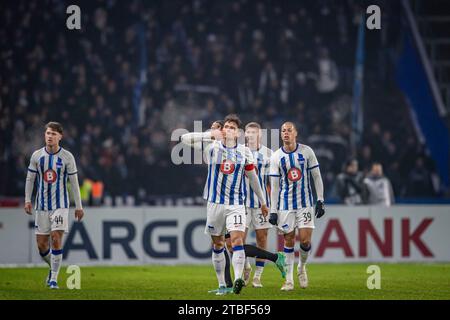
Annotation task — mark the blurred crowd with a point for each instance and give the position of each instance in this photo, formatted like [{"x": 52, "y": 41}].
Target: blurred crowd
[{"x": 137, "y": 70}]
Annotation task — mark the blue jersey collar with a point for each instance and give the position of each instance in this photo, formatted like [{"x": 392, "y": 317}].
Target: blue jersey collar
[
  {"x": 291, "y": 151},
  {"x": 45, "y": 148}
]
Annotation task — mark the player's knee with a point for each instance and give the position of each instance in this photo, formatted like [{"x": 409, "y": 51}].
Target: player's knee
[
  {"x": 305, "y": 242},
  {"x": 228, "y": 244},
  {"x": 56, "y": 244},
  {"x": 289, "y": 238},
  {"x": 289, "y": 241},
  {"x": 218, "y": 244},
  {"x": 237, "y": 241},
  {"x": 261, "y": 239},
  {"x": 42, "y": 246},
  {"x": 56, "y": 241}
]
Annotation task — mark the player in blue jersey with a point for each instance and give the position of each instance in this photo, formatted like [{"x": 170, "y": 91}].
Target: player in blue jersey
[
  {"x": 53, "y": 166},
  {"x": 255, "y": 219},
  {"x": 251, "y": 251},
  {"x": 227, "y": 160},
  {"x": 292, "y": 205}
]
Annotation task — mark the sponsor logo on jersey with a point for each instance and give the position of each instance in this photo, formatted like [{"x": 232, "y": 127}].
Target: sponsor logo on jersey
[
  {"x": 227, "y": 167},
  {"x": 50, "y": 176},
  {"x": 294, "y": 174}
]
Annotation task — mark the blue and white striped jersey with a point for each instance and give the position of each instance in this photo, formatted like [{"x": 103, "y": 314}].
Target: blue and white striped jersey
[
  {"x": 262, "y": 166},
  {"x": 226, "y": 167},
  {"x": 293, "y": 169},
  {"x": 52, "y": 171}
]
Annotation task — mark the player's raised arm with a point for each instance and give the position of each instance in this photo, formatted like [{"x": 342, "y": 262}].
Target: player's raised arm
[
  {"x": 73, "y": 178},
  {"x": 318, "y": 183},
  {"x": 195, "y": 139},
  {"x": 29, "y": 184}
]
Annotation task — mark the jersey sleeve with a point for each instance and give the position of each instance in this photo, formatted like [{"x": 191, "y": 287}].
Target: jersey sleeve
[
  {"x": 208, "y": 148},
  {"x": 249, "y": 160},
  {"x": 312, "y": 160},
  {"x": 33, "y": 163},
  {"x": 274, "y": 169},
  {"x": 196, "y": 140},
  {"x": 71, "y": 166}
]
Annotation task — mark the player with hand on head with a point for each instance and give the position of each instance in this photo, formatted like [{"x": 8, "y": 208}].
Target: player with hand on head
[
  {"x": 218, "y": 125},
  {"x": 291, "y": 198},
  {"x": 250, "y": 250},
  {"x": 53, "y": 166},
  {"x": 227, "y": 161}
]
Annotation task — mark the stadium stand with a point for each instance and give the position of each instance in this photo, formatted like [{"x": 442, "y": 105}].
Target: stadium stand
[{"x": 137, "y": 70}]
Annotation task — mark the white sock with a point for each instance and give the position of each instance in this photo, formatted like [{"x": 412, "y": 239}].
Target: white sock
[
  {"x": 247, "y": 263},
  {"x": 238, "y": 261},
  {"x": 290, "y": 257},
  {"x": 46, "y": 257},
  {"x": 218, "y": 259},
  {"x": 56, "y": 259},
  {"x": 259, "y": 269},
  {"x": 303, "y": 257}
]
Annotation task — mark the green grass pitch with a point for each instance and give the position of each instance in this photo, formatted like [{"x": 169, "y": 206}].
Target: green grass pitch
[{"x": 326, "y": 281}]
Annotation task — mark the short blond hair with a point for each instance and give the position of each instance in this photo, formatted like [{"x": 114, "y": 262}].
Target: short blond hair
[{"x": 253, "y": 125}]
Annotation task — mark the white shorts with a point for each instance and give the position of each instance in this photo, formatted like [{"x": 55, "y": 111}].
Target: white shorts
[
  {"x": 289, "y": 220},
  {"x": 256, "y": 219},
  {"x": 47, "y": 221},
  {"x": 222, "y": 217}
]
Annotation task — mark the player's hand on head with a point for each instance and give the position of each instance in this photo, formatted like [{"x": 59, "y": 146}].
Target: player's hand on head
[
  {"x": 273, "y": 219},
  {"x": 28, "y": 208},
  {"x": 264, "y": 210},
  {"x": 79, "y": 213},
  {"x": 217, "y": 134},
  {"x": 320, "y": 209}
]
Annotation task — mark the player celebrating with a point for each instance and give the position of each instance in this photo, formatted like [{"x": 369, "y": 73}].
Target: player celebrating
[
  {"x": 250, "y": 251},
  {"x": 261, "y": 155},
  {"x": 227, "y": 161},
  {"x": 52, "y": 165},
  {"x": 292, "y": 203}
]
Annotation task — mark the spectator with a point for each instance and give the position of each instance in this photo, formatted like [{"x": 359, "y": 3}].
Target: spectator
[
  {"x": 378, "y": 188},
  {"x": 328, "y": 77},
  {"x": 419, "y": 181},
  {"x": 118, "y": 96},
  {"x": 349, "y": 184}
]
